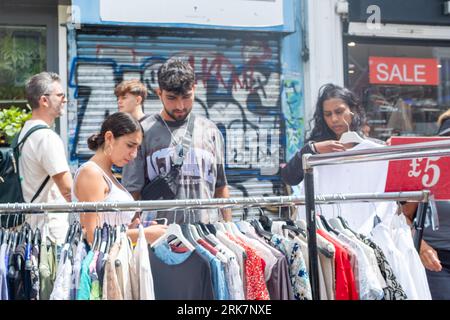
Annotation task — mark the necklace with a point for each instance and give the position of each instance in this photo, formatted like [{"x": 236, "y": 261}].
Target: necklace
[{"x": 178, "y": 145}]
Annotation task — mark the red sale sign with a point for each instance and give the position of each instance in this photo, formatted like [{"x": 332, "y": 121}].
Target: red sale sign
[
  {"x": 420, "y": 173},
  {"x": 403, "y": 71}
]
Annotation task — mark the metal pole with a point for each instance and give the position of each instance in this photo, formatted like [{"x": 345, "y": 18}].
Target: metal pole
[
  {"x": 419, "y": 225},
  {"x": 311, "y": 225},
  {"x": 410, "y": 151},
  {"x": 164, "y": 205}
]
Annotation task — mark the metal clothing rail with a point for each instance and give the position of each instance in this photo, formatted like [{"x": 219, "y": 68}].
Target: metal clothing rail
[
  {"x": 166, "y": 205},
  {"x": 403, "y": 152},
  {"x": 39, "y": 208}
]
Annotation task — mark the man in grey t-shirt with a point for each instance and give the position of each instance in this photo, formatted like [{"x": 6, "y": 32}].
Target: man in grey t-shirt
[{"x": 202, "y": 173}]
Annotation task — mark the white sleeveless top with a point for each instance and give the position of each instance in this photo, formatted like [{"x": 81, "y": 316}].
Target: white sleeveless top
[{"x": 116, "y": 194}]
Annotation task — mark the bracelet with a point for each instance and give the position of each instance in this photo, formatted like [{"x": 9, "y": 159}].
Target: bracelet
[{"x": 313, "y": 148}]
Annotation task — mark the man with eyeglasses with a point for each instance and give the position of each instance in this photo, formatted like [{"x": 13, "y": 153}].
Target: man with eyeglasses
[{"x": 43, "y": 155}]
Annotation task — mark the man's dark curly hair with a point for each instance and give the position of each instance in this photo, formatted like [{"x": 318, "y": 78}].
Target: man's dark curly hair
[
  {"x": 176, "y": 76},
  {"x": 321, "y": 131}
]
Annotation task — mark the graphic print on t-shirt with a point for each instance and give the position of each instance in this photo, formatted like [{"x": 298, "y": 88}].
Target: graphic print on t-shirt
[{"x": 198, "y": 166}]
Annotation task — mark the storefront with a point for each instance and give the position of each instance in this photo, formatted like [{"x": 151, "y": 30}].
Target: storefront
[{"x": 398, "y": 66}]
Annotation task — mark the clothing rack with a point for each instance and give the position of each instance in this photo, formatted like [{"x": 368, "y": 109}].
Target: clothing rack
[
  {"x": 402, "y": 152},
  {"x": 43, "y": 208}
]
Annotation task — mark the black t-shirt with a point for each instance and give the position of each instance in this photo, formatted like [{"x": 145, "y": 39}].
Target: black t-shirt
[{"x": 189, "y": 280}]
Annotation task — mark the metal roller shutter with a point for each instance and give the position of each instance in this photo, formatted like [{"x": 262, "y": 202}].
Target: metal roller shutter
[{"x": 238, "y": 87}]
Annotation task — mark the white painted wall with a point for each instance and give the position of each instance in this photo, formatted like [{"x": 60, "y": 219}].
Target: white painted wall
[
  {"x": 62, "y": 68},
  {"x": 324, "y": 39}
]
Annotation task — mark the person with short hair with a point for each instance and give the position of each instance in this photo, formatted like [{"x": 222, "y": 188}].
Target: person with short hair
[
  {"x": 43, "y": 154},
  {"x": 202, "y": 173},
  {"x": 131, "y": 95}
]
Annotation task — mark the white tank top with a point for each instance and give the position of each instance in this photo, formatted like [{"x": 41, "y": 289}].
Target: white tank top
[{"x": 115, "y": 194}]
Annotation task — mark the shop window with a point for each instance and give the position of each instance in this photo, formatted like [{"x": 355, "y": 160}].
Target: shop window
[
  {"x": 22, "y": 54},
  {"x": 403, "y": 88}
]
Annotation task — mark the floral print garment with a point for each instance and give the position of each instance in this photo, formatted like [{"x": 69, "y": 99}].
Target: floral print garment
[
  {"x": 256, "y": 288},
  {"x": 297, "y": 267}
]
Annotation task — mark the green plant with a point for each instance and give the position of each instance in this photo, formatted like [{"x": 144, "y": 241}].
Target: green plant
[
  {"x": 11, "y": 121},
  {"x": 22, "y": 54}
]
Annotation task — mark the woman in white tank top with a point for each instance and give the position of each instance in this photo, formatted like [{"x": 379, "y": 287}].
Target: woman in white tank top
[{"x": 116, "y": 144}]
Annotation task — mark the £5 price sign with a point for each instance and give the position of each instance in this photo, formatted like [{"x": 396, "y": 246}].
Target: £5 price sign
[{"x": 417, "y": 174}]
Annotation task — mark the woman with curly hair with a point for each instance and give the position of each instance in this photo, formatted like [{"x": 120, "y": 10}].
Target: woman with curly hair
[{"x": 337, "y": 111}]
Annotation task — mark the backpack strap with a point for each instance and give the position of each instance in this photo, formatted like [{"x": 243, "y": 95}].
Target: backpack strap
[
  {"x": 16, "y": 145},
  {"x": 40, "y": 189}
]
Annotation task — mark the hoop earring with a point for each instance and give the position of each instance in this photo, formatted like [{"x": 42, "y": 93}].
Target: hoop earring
[{"x": 109, "y": 152}]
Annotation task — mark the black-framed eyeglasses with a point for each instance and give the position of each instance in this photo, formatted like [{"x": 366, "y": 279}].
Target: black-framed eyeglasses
[{"x": 59, "y": 95}]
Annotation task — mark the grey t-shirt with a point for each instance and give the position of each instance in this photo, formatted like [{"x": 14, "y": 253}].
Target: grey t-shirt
[
  {"x": 440, "y": 239},
  {"x": 203, "y": 166}
]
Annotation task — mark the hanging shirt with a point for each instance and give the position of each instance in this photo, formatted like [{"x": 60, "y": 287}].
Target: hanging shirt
[
  {"x": 297, "y": 267},
  {"x": 262, "y": 251},
  {"x": 95, "y": 293},
  {"x": 80, "y": 254},
  {"x": 188, "y": 280},
  {"x": 47, "y": 269},
  {"x": 111, "y": 287},
  {"x": 232, "y": 271},
  {"x": 34, "y": 273},
  {"x": 403, "y": 259},
  {"x": 143, "y": 268},
  {"x": 61, "y": 288},
  {"x": 279, "y": 284},
  {"x": 3, "y": 272},
  {"x": 84, "y": 290},
  {"x": 369, "y": 288},
  {"x": 404, "y": 241},
  {"x": 218, "y": 274},
  {"x": 123, "y": 267},
  {"x": 241, "y": 256},
  {"x": 345, "y": 280},
  {"x": 365, "y": 177},
  {"x": 256, "y": 288},
  {"x": 393, "y": 289}
]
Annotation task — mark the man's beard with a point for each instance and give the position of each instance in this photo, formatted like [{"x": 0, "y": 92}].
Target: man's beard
[{"x": 174, "y": 118}]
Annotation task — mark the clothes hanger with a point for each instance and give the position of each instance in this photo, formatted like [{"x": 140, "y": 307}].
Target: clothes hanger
[
  {"x": 23, "y": 233},
  {"x": 327, "y": 225},
  {"x": 204, "y": 229},
  {"x": 211, "y": 228},
  {"x": 29, "y": 236},
  {"x": 188, "y": 234},
  {"x": 346, "y": 225},
  {"x": 204, "y": 236},
  {"x": 266, "y": 222},
  {"x": 260, "y": 231},
  {"x": 194, "y": 232},
  {"x": 70, "y": 233},
  {"x": 295, "y": 229},
  {"x": 336, "y": 224},
  {"x": 350, "y": 136},
  {"x": 96, "y": 239},
  {"x": 174, "y": 230},
  {"x": 219, "y": 226},
  {"x": 105, "y": 238}
]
